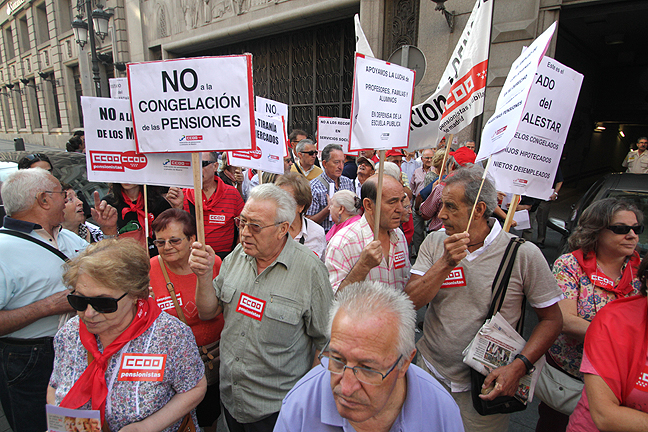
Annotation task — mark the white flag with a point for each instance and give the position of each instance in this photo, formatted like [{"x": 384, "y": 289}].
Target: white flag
[
  {"x": 460, "y": 94},
  {"x": 362, "y": 44}
]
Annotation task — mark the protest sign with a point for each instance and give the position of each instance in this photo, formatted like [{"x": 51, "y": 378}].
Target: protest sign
[
  {"x": 527, "y": 166},
  {"x": 118, "y": 88},
  {"x": 381, "y": 106},
  {"x": 333, "y": 130},
  {"x": 459, "y": 96},
  {"x": 272, "y": 108},
  {"x": 111, "y": 155},
  {"x": 501, "y": 127},
  {"x": 193, "y": 105},
  {"x": 270, "y": 147}
]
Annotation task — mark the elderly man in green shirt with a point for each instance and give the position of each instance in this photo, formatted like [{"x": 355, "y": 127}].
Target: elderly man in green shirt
[{"x": 275, "y": 296}]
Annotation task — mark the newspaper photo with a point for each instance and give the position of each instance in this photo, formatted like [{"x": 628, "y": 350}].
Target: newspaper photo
[
  {"x": 71, "y": 420},
  {"x": 496, "y": 344}
]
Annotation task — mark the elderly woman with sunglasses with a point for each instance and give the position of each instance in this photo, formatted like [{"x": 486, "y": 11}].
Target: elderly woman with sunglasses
[
  {"x": 121, "y": 355},
  {"x": 175, "y": 231},
  {"x": 601, "y": 267}
]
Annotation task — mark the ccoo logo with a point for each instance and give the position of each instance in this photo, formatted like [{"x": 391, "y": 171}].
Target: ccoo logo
[{"x": 134, "y": 161}]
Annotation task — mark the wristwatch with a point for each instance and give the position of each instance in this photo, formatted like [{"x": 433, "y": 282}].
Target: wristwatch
[{"x": 530, "y": 368}]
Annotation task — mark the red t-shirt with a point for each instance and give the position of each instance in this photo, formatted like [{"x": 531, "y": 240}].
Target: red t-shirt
[
  {"x": 219, "y": 212},
  {"x": 184, "y": 286}
]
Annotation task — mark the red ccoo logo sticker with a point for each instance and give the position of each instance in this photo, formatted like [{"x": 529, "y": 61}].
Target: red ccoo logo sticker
[
  {"x": 142, "y": 367},
  {"x": 456, "y": 278},
  {"x": 251, "y": 306},
  {"x": 134, "y": 161},
  {"x": 256, "y": 154}
]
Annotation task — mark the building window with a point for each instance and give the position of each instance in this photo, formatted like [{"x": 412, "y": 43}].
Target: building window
[
  {"x": 23, "y": 34},
  {"x": 65, "y": 16},
  {"x": 42, "y": 24},
  {"x": 9, "y": 43}
]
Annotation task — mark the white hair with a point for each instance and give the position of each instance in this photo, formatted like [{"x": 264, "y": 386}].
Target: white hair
[
  {"x": 286, "y": 205},
  {"x": 391, "y": 169},
  {"x": 372, "y": 298},
  {"x": 21, "y": 187},
  {"x": 349, "y": 200}
]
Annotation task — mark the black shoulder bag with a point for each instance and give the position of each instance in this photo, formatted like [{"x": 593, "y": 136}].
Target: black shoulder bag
[
  {"x": 27, "y": 237},
  {"x": 501, "y": 404}
]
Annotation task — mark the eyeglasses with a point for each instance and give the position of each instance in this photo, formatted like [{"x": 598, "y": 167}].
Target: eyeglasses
[
  {"x": 625, "y": 229},
  {"x": 365, "y": 375},
  {"x": 99, "y": 304},
  {"x": 207, "y": 163},
  {"x": 310, "y": 153},
  {"x": 173, "y": 241},
  {"x": 254, "y": 228},
  {"x": 67, "y": 199}
]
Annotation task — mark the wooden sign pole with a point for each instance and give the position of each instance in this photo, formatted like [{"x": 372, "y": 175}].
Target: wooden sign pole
[
  {"x": 511, "y": 212},
  {"x": 472, "y": 212},
  {"x": 381, "y": 169},
  {"x": 445, "y": 156},
  {"x": 197, "y": 179},
  {"x": 146, "y": 217}
]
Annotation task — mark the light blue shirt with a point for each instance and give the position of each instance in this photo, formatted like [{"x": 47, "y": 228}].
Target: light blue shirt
[
  {"x": 310, "y": 406},
  {"x": 29, "y": 272},
  {"x": 408, "y": 167}
]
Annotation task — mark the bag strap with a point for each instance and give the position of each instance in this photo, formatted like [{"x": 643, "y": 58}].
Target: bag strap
[
  {"x": 171, "y": 290},
  {"x": 500, "y": 284},
  {"x": 27, "y": 237}
]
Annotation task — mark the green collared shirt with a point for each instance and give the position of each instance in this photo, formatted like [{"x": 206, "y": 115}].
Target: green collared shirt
[{"x": 273, "y": 323}]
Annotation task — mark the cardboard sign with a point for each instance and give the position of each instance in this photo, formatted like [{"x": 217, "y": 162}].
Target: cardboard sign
[
  {"x": 333, "y": 130},
  {"x": 251, "y": 306},
  {"x": 500, "y": 128},
  {"x": 270, "y": 147},
  {"x": 119, "y": 88},
  {"x": 272, "y": 108},
  {"x": 111, "y": 155},
  {"x": 192, "y": 105},
  {"x": 381, "y": 106},
  {"x": 528, "y": 165},
  {"x": 142, "y": 367},
  {"x": 456, "y": 278}
]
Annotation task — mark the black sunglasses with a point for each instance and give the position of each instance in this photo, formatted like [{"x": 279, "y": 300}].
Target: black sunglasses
[
  {"x": 310, "y": 153},
  {"x": 207, "y": 163},
  {"x": 625, "y": 229},
  {"x": 99, "y": 304}
]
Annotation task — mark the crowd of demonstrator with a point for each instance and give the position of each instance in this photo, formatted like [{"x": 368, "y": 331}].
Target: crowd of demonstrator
[{"x": 298, "y": 312}]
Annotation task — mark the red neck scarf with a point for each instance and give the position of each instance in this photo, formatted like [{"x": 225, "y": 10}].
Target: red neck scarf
[
  {"x": 623, "y": 288},
  {"x": 138, "y": 208},
  {"x": 92, "y": 383}
]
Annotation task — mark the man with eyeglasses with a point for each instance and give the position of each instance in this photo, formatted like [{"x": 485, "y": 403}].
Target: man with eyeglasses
[
  {"x": 305, "y": 163},
  {"x": 33, "y": 303},
  {"x": 275, "y": 295},
  {"x": 366, "y": 381},
  {"x": 221, "y": 204}
]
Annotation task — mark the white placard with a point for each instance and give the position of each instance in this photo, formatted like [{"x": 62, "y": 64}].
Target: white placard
[
  {"x": 118, "y": 88},
  {"x": 270, "y": 147},
  {"x": 192, "y": 105},
  {"x": 529, "y": 164},
  {"x": 381, "y": 106},
  {"x": 522, "y": 219},
  {"x": 111, "y": 155},
  {"x": 464, "y": 76},
  {"x": 272, "y": 109},
  {"x": 333, "y": 130},
  {"x": 501, "y": 127}
]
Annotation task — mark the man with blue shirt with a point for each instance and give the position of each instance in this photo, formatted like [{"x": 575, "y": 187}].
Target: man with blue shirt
[
  {"x": 366, "y": 381},
  {"x": 33, "y": 299}
]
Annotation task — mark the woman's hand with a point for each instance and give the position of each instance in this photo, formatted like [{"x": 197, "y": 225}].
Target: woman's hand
[{"x": 573, "y": 325}]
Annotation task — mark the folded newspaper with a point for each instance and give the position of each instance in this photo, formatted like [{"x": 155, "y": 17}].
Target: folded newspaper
[{"x": 496, "y": 344}]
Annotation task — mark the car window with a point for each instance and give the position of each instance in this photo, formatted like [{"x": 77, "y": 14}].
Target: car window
[{"x": 640, "y": 199}]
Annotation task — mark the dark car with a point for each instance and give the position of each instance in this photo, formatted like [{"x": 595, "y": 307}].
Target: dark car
[
  {"x": 631, "y": 187},
  {"x": 69, "y": 168}
]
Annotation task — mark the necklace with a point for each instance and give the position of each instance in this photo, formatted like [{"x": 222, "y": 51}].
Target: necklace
[{"x": 475, "y": 244}]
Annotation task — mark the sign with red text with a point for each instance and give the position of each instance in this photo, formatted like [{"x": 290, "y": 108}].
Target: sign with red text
[
  {"x": 333, "y": 130},
  {"x": 270, "y": 147},
  {"x": 528, "y": 165},
  {"x": 193, "y": 105},
  {"x": 381, "y": 105},
  {"x": 272, "y": 108},
  {"x": 111, "y": 155}
]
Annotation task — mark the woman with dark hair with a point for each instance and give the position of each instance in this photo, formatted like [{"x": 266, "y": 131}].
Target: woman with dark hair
[
  {"x": 74, "y": 218},
  {"x": 614, "y": 367},
  {"x": 35, "y": 160},
  {"x": 128, "y": 199},
  {"x": 303, "y": 230},
  {"x": 101, "y": 354},
  {"x": 171, "y": 276},
  {"x": 602, "y": 267}
]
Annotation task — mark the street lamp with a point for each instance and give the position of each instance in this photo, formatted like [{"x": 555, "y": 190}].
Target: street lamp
[{"x": 84, "y": 30}]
